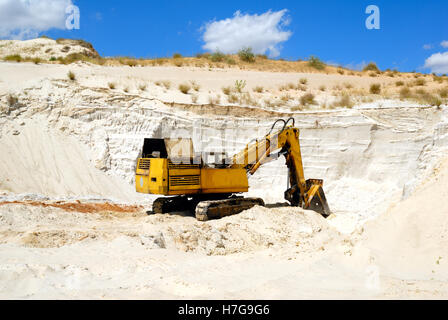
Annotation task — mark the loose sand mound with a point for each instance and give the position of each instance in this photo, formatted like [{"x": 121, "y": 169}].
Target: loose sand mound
[
  {"x": 40, "y": 224},
  {"x": 411, "y": 240},
  {"x": 40, "y": 160}
]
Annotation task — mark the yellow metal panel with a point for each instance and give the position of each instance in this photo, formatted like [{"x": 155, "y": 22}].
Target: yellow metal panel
[
  {"x": 223, "y": 180},
  {"x": 158, "y": 176},
  {"x": 152, "y": 176},
  {"x": 141, "y": 183}
]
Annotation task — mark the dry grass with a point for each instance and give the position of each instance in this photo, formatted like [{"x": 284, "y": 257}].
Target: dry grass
[
  {"x": 12, "y": 100},
  {"x": 399, "y": 83},
  {"x": 71, "y": 76},
  {"x": 405, "y": 93},
  {"x": 430, "y": 99},
  {"x": 184, "y": 88},
  {"x": 142, "y": 87},
  {"x": 214, "y": 100},
  {"x": 112, "y": 85},
  {"x": 285, "y": 98},
  {"x": 165, "y": 83},
  {"x": 227, "y": 90},
  {"x": 233, "y": 98},
  {"x": 307, "y": 99},
  {"x": 344, "y": 101},
  {"x": 375, "y": 88},
  {"x": 443, "y": 93},
  {"x": 196, "y": 87},
  {"x": 420, "y": 82},
  {"x": 322, "y": 88},
  {"x": 303, "y": 81},
  {"x": 259, "y": 89}
]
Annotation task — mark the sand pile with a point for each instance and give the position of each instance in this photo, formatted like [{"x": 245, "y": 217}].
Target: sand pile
[
  {"x": 57, "y": 224},
  {"x": 411, "y": 240},
  {"x": 41, "y": 160}
]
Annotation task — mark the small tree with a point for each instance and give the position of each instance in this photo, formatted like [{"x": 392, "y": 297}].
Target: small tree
[
  {"x": 246, "y": 55},
  {"x": 371, "y": 67},
  {"x": 316, "y": 63}
]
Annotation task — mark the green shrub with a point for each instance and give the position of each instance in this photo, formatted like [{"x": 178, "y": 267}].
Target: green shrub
[
  {"x": 240, "y": 85},
  {"x": 371, "y": 67},
  {"x": 111, "y": 85},
  {"x": 399, "y": 83},
  {"x": 246, "y": 55},
  {"x": 230, "y": 60},
  {"x": 13, "y": 57},
  {"x": 316, "y": 63},
  {"x": 177, "y": 56},
  {"x": 217, "y": 56},
  {"x": 303, "y": 81}
]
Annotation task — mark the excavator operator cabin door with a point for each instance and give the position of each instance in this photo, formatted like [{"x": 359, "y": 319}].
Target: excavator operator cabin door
[{"x": 154, "y": 148}]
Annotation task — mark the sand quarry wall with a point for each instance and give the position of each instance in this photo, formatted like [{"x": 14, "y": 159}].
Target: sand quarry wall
[{"x": 81, "y": 142}]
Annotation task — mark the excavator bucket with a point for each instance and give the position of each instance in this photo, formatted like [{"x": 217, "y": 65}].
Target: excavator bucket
[{"x": 317, "y": 201}]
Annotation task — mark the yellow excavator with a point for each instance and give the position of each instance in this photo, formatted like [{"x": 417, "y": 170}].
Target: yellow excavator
[{"x": 171, "y": 168}]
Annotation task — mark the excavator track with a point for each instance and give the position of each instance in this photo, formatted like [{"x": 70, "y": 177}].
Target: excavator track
[
  {"x": 215, "y": 209},
  {"x": 173, "y": 204}
]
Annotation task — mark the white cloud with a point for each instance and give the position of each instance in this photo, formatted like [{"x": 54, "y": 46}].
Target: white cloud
[
  {"x": 427, "y": 46},
  {"x": 262, "y": 33},
  {"x": 444, "y": 43},
  {"x": 25, "y": 19},
  {"x": 438, "y": 62}
]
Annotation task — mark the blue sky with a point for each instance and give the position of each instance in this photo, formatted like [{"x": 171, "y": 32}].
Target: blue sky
[{"x": 332, "y": 30}]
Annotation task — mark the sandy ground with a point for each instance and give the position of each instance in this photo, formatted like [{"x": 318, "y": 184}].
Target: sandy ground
[{"x": 71, "y": 225}]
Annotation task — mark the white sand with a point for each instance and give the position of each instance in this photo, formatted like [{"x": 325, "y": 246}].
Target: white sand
[{"x": 79, "y": 140}]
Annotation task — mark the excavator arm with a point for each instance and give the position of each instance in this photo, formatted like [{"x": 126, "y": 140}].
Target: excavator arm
[{"x": 307, "y": 194}]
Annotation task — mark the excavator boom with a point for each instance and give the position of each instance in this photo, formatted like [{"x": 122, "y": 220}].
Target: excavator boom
[{"x": 308, "y": 194}]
